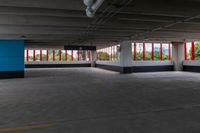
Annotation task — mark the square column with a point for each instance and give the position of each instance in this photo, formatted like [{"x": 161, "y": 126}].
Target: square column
[
  {"x": 126, "y": 53},
  {"x": 126, "y": 57},
  {"x": 94, "y": 58},
  {"x": 178, "y": 55},
  {"x": 12, "y": 59}
]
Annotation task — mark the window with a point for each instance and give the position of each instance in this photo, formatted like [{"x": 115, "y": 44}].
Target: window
[
  {"x": 197, "y": 50},
  {"x": 148, "y": 51},
  {"x": 103, "y": 54},
  {"x": 166, "y": 51},
  {"x": 44, "y": 55},
  {"x": 108, "y": 54},
  {"x": 139, "y": 51},
  {"x": 156, "y": 51},
  {"x": 188, "y": 50},
  {"x": 36, "y": 55},
  {"x": 57, "y": 55},
  {"x": 26, "y": 55},
  {"x": 88, "y": 57},
  {"x": 63, "y": 55},
  {"x": 151, "y": 51},
  {"x": 192, "y": 50},
  {"x": 30, "y": 55}
]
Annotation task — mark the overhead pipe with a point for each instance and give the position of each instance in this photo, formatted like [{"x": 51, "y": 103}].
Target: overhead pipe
[{"x": 92, "y": 7}]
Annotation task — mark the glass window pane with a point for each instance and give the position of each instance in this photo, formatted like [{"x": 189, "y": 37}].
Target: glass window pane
[
  {"x": 25, "y": 55},
  {"x": 37, "y": 55},
  {"x": 102, "y": 55},
  {"x": 148, "y": 48},
  {"x": 98, "y": 54},
  {"x": 30, "y": 54},
  {"x": 165, "y": 51},
  {"x": 63, "y": 55},
  {"x": 83, "y": 55},
  {"x": 50, "y": 55},
  {"x": 69, "y": 52},
  {"x": 139, "y": 51},
  {"x": 156, "y": 51},
  {"x": 189, "y": 50},
  {"x": 56, "y": 55},
  {"x": 197, "y": 50},
  {"x": 44, "y": 55},
  {"x": 115, "y": 53},
  {"x": 75, "y": 53}
]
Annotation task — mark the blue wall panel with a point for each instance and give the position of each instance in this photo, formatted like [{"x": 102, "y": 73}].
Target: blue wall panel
[{"x": 11, "y": 55}]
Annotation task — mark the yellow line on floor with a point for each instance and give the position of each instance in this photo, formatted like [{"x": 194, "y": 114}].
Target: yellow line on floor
[
  {"x": 100, "y": 80},
  {"x": 26, "y": 127}
]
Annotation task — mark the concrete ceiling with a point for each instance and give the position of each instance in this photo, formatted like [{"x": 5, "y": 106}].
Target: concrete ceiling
[{"x": 60, "y": 22}]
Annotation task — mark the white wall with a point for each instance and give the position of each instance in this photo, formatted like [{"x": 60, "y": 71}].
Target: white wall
[
  {"x": 137, "y": 63},
  {"x": 111, "y": 63},
  {"x": 191, "y": 63}
]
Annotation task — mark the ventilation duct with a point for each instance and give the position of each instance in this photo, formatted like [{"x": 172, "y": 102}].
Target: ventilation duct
[{"x": 92, "y": 7}]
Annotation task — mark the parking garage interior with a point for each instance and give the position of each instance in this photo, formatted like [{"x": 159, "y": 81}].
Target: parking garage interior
[{"x": 99, "y": 66}]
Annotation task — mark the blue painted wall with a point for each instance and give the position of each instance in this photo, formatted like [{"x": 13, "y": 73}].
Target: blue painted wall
[{"x": 11, "y": 55}]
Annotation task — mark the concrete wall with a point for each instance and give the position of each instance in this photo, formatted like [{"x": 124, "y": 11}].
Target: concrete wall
[
  {"x": 137, "y": 63},
  {"x": 137, "y": 66},
  {"x": 109, "y": 63},
  {"x": 191, "y": 66},
  {"x": 191, "y": 63},
  {"x": 11, "y": 58},
  {"x": 53, "y": 64}
]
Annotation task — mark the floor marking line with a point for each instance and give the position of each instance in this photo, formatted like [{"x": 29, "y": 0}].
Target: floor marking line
[{"x": 26, "y": 127}]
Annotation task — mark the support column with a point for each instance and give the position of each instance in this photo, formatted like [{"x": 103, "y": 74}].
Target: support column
[
  {"x": 178, "y": 55},
  {"x": 12, "y": 59},
  {"x": 94, "y": 58},
  {"x": 126, "y": 56}
]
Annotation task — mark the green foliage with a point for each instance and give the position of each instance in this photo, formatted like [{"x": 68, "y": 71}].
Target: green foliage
[
  {"x": 103, "y": 56},
  {"x": 197, "y": 50},
  {"x": 165, "y": 57},
  {"x": 156, "y": 55},
  {"x": 139, "y": 56},
  {"x": 148, "y": 55},
  {"x": 82, "y": 56}
]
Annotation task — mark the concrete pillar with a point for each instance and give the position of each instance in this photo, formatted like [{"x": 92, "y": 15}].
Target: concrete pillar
[
  {"x": 126, "y": 53},
  {"x": 93, "y": 58},
  {"x": 178, "y": 55}
]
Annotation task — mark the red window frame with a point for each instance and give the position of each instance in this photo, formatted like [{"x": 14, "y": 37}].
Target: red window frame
[
  {"x": 111, "y": 53},
  {"x": 134, "y": 51},
  {"x": 34, "y": 58},
  {"x": 40, "y": 55},
  {"x": 78, "y": 55},
  {"x": 152, "y": 56},
  {"x": 193, "y": 50},
  {"x": 60, "y": 52},
  {"x": 161, "y": 52},
  {"x": 53, "y": 55},
  {"x": 144, "y": 51},
  {"x": 27, "y": 55},
  {"x": 47, "y": 56},
  {"x": 169, "y": 51},
  {"x": 66, "y": 55}
]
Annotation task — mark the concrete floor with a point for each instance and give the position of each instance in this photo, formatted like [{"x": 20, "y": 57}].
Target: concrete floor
[{"x": 89, "y": 100}]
